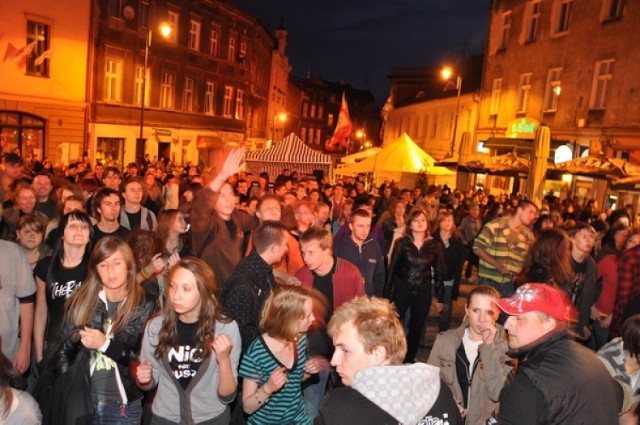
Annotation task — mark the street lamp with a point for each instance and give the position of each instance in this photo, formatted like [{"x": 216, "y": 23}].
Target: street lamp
[
  {"x": 280, "y": 116},
  {"x": 362, "y": 135},
  {"x": 447, "y": 73},
  {"x": 165, "y": 30}
]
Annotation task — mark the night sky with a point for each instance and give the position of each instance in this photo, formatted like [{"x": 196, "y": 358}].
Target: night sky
[{"x": 360, "y": 41}]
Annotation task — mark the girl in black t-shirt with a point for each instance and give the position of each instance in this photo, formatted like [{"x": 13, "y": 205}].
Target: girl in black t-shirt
[{"x": 58, "y": 276}]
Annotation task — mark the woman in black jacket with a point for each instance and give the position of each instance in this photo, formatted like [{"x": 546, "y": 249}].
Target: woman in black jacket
[
  {"x": 102, "y": 330},
  {"x": 454, "y": 255},
  {"x": 414, "y": 257}
]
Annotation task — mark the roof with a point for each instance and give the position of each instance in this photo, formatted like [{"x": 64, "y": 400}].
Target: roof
[{"x": 289, "y": 149}]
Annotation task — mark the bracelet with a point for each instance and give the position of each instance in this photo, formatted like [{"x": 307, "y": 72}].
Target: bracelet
[
  {"x": 261, "y": 402},
  {"x": 145, "y": 274}
]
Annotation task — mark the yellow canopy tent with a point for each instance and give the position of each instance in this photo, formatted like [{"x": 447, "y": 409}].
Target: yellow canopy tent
[{"x": 399, "y": 157}]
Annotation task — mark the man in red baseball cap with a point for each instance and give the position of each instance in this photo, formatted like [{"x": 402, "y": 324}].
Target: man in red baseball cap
[{"x": 557, "y": 380}]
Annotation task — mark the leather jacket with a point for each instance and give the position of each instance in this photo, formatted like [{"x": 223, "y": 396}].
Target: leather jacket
[
  {"x": 412, "y": 268},
  {"x": 123, "y": 347}
]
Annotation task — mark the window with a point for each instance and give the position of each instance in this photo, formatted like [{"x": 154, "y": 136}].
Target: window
[
  {"x": 552, "y": 90},
  {"x": 39, "y": 53},
  {"x": 173, "y": 23},
  {"x": 210, "y": 99},
  {"x": 523, "y": 94},
  {"x": 532, "y": 20},
  {"x": 303, "y": 133},
  {"x": 312, "y": 113},
  {"x": 602, "y": 74},
  {"x": 305, "y": 110},
  {"x": 434, "y": 129},
  {"x": 115, "y": 8},
  {"x": 213, "y": 42},
  {"x": 310, "y": 139},
  {"x": 228, "y": 99},
  {"x": 425, "y": 126},
  {"x": 561, "y": 16},
  {"x": 194, "y": 35},
  {"x": 113, "y": 80},
  {"x": 496, "y": 92},
  {"x": 243, "y": 50},
  {"x": 231, "y": 54},
  {"x": 318, "y": 135},
  {"x": 144, "y": 15},
  {"x": 239, "y": 113},
  {"x": 505, "y": 27},
  {"x": 330, "y": 120},
  {"x": 320, "y": 111},
  {"x": 611, "y": 9},
  {"x": 166, "y": 90},
  {"x": 137, "y": 95},
  {"x": 187, "y": 95}
]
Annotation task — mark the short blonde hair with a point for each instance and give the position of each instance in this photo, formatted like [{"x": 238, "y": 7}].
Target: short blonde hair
[
  {"x": 319, "y": 234},
  {"x": 282, "y": 312},
  {"x": 377, "y": 324}
]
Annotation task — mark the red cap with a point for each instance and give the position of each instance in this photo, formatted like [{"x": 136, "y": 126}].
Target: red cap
[{"x": 538, "y": 297}]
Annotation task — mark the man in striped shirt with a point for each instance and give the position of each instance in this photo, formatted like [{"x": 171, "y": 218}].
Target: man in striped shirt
[{"x": 502, "y": 246}]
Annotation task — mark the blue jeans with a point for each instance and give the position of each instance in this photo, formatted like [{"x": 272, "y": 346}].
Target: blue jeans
[
  {"x": 117, "y": 413},
  {"x": 445, "y": 316},
  {"x": 314, "y": 394}
]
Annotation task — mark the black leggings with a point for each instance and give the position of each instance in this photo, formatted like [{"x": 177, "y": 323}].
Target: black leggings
[{"x": 418, "y": 302}]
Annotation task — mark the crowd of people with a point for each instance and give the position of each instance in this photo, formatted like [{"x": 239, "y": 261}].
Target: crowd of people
[{"x": 160, "y": 295}]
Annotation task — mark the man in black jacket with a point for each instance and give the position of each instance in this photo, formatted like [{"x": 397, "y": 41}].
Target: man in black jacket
[
  {"x": 557, "y": 381},
  {"x": 359, "y": 248}
]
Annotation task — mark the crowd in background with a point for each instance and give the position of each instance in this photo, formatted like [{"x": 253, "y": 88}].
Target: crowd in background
[{"x": 229, "y": 284}]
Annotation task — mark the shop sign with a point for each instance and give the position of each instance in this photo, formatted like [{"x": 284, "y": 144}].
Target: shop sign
[
  {"x": 163, "y": 132},
  {"x": 522, "y": 128}
]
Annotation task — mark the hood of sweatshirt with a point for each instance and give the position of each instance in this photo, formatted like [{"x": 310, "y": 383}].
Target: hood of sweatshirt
[{"x": 406, "y": 392}]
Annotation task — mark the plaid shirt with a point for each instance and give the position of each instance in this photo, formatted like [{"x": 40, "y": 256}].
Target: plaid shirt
[
  {"x": 496, "y": 239},
  {"x": 628, "y": 286}
]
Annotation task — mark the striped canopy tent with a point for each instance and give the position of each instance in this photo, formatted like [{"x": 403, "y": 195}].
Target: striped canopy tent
[{"x": 290, "y": 152}]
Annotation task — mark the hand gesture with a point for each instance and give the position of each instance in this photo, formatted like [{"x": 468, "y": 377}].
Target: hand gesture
[
  {"x": 277, "y": 380},
  {"x": 234, "y": 162},
  {"x": 315, "y": 365},
  {"x": 156, "y": 266},
  {"x": 489, "y": 331},
  {"x": 173, "y": 259},
  {"x": 92, "y": 338},
  {"x": 144, "y": 373},
  {"x": 222, "y": 345}
]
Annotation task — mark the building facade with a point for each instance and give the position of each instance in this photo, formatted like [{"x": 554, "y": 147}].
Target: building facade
[
  {"x": 566, "y": 64},
  {"x": 321, "y": 101},
  {"x": 186, "y": 96},
  {"x": 427, "y": 107},
  {"x": 43, "y": 84}
]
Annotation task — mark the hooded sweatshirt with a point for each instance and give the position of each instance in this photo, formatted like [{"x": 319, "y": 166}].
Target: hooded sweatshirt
[{"x": 394, "y": 394}]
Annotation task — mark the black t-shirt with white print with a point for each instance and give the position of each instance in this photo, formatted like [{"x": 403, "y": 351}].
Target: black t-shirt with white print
[
  {"x": 64, "y": 282},
  {"x": 184, "y": 358}
]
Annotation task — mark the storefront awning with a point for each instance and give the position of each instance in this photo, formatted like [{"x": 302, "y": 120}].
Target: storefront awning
[
  {"x": 522, "y": 145},
  {"x": 210, "y": 142}
]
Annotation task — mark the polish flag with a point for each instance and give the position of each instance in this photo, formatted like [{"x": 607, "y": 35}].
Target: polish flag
[{"x": 343, "y": 128}]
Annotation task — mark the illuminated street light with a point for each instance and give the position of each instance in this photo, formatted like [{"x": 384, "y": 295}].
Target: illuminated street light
[
  {"x": 362, "y": 135},
  {"x": 280, "y": 116},
  {"x": 165, "y": 31},
  {"x": 447, "y": 73}
]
